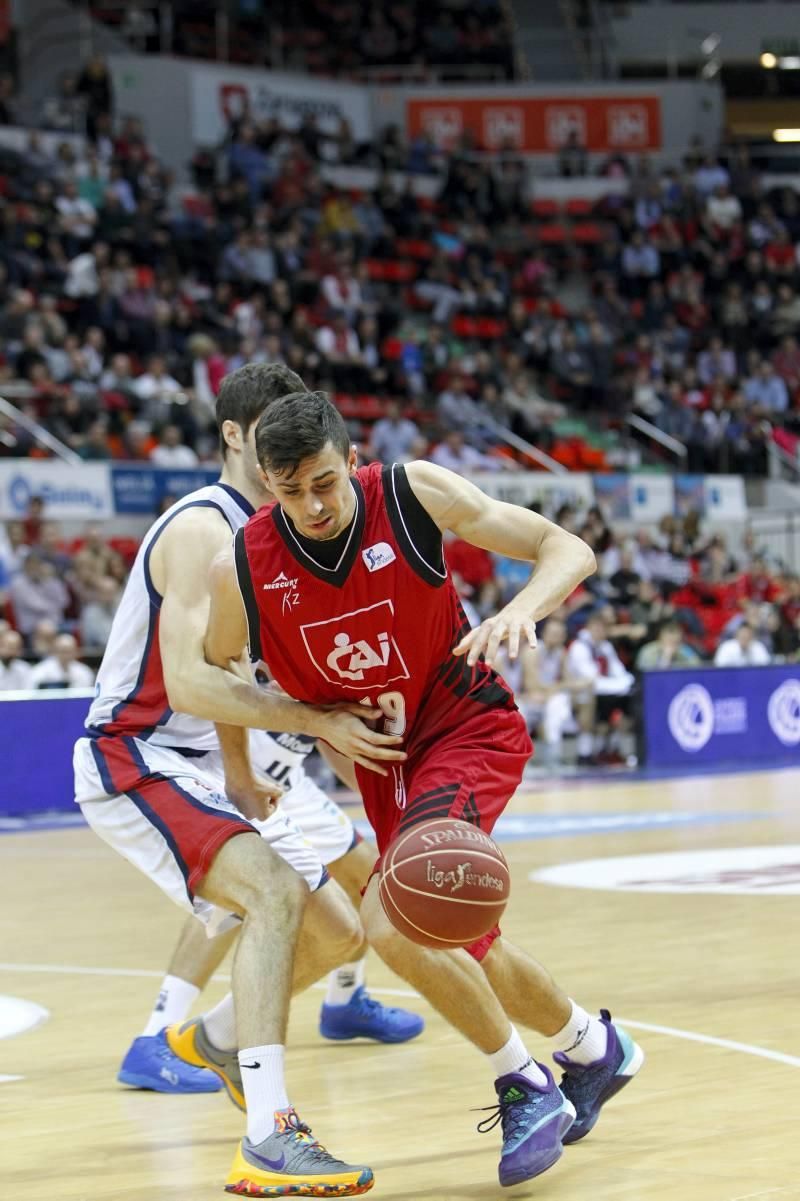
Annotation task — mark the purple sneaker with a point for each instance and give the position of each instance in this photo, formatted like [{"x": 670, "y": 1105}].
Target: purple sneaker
[
  {"x": 588, "y": 1086},
  {"x": 534, "y": 1122}
]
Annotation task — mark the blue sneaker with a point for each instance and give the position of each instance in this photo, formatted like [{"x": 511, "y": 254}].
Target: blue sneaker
[
  {"x": 589, "y": 1086},
  {"x": 534, "y": 1122},
  {"x": 363, "y": 1017},
  {"x": 150, "y": 1064}
]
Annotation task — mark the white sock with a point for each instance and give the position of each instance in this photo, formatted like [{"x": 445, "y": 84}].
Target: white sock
[
  {"x": 583, "y": 1039},
  {"x": 344, "y": 981},
  {"x": 174, "y": 1002},
  {"x": 585, "y": 745},
  {"x": 220, "y": 1024},
  {"x": 264, "y": 1089},
  {"x": 514, "y": 1057}
]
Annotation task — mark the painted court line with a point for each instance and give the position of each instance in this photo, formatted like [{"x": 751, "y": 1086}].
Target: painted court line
[
  {"x": 727, "y": 1044},
  {"x": 57, "y": 969}
]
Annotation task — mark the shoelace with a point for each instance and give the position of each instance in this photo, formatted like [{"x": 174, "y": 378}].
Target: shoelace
[
  {"x": 510, "y": 1113},
  {"x": 300, "y": 1132}
]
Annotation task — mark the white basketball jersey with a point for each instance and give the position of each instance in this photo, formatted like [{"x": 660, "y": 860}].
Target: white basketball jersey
[{"x": 131, "y": 699}]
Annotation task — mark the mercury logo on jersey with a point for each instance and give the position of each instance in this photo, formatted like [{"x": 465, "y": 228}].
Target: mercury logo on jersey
[
  {"x": 290, "y": 596},
  {"x": 357, "y": 650}
]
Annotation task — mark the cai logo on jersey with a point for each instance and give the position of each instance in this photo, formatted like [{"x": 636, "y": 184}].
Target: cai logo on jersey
[
  {"x": 783, "y": 712},
  {"x": 357, "y": 650},
  {"x": 691, "y": 717}
]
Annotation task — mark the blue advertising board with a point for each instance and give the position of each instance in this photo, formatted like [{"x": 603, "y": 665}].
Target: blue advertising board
[
  {"x": 718, "y": 715},
  {"x": 38, "y": 737},
  {"x": 141, "y": 489}
]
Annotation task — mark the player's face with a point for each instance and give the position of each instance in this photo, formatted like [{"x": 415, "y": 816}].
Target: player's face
[
  {"x": 249, "y": 464},
  {"x": 318, "y": 496}
]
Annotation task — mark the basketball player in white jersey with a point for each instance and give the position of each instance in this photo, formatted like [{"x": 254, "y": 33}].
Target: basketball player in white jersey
[{"x": 149, "y": 781}]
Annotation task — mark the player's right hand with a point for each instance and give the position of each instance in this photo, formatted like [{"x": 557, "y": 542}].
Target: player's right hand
[{"x": 346, "y": 730}]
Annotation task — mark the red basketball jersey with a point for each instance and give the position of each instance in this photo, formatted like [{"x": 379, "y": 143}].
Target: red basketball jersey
[{"x": 379, "y": 626}]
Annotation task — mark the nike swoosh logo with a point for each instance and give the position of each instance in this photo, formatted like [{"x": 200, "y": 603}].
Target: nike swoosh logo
[
  {"x": 251, "y": 1065},
  {"x": 275, "y": 1164}
]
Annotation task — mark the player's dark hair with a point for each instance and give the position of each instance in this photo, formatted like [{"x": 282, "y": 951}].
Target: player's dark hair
[
  {"x": 246, "y": 393},
  {"x": 297, "y": 427}
]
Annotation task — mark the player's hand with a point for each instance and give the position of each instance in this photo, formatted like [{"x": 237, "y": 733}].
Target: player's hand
[
  {"x": 256, "y": 799},
  {"x": 510, "y": 625},
  {"x": 347, "y": 731}
]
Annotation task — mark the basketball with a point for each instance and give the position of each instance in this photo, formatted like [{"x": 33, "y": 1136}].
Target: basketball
[{"x": 444, "y": 883}]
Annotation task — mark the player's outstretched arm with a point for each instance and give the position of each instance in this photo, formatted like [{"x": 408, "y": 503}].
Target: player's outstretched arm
[
  {"x": 561, "y": 559},
  {"x": 225, "y": 647}
]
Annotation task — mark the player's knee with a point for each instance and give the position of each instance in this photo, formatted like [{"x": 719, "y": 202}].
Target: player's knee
[
  {"x": 381, "y": 935},
  {"x": 260, "y": 883}
]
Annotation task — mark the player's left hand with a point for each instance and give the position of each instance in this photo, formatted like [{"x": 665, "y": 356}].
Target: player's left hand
[
  {"x": 509, "y": 625},
  {"x": 256, "y": 799}
]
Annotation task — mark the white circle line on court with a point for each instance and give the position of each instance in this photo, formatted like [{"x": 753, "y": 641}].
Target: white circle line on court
[{"x": 57, "y": 969}]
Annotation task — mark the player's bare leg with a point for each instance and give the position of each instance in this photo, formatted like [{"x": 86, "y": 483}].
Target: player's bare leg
[
  {"x": 247, "y": 877},
  {"x": 527, "y": 992},
  {"x": 535, "y": 1115}
]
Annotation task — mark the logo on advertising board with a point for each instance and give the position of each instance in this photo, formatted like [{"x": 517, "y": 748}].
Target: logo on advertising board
[
  {"x": 783, "y": 712},
  {"x": 628, "y": 126},
  {"x": 443, "y": 124},
  {"x": 562, "y": 121},
  {"x": 691, "y": 717},
  {"x": 357, "y": 650},
  {"x": 503, "y": 127}
]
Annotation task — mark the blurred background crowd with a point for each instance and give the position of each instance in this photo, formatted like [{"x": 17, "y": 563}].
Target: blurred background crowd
[{"x": 472, "y": 326}]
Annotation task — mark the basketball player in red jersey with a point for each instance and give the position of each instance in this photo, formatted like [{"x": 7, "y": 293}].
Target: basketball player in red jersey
[{"x": 342, "y": 589}]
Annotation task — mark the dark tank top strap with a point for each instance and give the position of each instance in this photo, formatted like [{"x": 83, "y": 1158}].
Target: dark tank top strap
[
  {"x": 245, "y": 579},
  {"x": 417, "y": 534}
]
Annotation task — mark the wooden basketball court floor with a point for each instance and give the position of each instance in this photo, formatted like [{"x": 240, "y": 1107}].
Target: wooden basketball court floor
[{"x": 713, "y": 1115}]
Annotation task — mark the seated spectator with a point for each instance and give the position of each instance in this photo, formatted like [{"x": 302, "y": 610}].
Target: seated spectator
[
  {"x": 15, "y": 673},
  {"x": 572, "y": 157},
  {"x": 766, "y": 389},
  {"x": 98, "y": 614},
  {"x": 454, "y": 453},
  {"x": 742, "y": 650},
  {"x": 668, "y": 650},
  {"x": 37, "y": 594},
  {"x": 716, "y": 363},
  {"x": 393, "y": 437},
  {"x": 171, "y": 451},
  {"x": 548, "y": 695},
  {"x": 62, "y": 669},
  {"x": 592, "y": 657},
  {"x": 723, "y": 209}
]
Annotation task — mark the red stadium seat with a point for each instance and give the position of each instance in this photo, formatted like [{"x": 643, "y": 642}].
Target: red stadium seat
[
  {"x": 578, "y": 207},
  {"x": 545, "y": 208}
]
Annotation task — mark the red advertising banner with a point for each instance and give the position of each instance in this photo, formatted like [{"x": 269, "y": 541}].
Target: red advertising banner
[{"x": 541, "y": 125}]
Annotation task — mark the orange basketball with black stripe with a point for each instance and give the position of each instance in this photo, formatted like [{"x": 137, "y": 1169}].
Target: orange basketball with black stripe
[{"x": 444, "y": 883}]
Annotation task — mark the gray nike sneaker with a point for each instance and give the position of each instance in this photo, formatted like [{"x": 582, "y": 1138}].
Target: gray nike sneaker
[
  {"x": 290, "y": 1162},
  {"x": 191, "y": 1044}
]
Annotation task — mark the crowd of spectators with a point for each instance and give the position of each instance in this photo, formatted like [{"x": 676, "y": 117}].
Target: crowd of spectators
[
  {"x": 671, "y": 598},
  {"x": 124, "y": 299},
  {"x": 333, "y": 37}
]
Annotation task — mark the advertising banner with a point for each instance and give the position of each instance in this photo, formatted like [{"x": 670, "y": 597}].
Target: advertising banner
[
  {"x": 651, "y": 497},
  {"x": 613, "y": 495},
  {"x": 219, "y": 93},
  {"x": 539, "y": 124},
  {"x": 34, "y": 782},
  {"x": 143, "y": 489},
  {"x": 707, "y": 715},
  {"x": 716, "y": 496},
  {"x": 535, "y": 489},
  {"x": 69, "y": 492}
]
